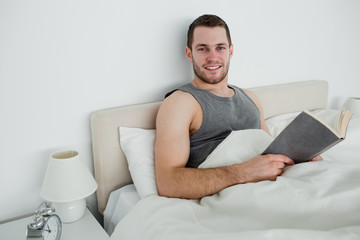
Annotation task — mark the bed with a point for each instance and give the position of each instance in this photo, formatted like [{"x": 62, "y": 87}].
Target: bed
[{"x": 314, "y": 200}]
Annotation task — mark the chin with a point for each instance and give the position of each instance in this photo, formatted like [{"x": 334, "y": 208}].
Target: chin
[
  {"x": 212, "y": 81},
  {"x": 216, "y": 81}
]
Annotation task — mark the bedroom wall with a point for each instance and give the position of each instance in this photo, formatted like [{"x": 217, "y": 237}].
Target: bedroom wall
[{"x": 62, "y": 60}]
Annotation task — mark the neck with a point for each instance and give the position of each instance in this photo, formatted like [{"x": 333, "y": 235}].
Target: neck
[{"x": 220, "y": 89}]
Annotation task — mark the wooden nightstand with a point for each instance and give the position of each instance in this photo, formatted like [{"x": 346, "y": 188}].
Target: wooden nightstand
[{"x": 86, "y": 228}]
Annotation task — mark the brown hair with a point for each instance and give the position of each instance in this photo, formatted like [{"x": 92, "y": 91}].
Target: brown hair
[{"x": 207, "y": 20}]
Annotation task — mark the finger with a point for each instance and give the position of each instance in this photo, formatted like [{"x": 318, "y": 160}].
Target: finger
[
  {"x": 278, "y": 165},
  {"x": 317, "y": 158},
  {"x": 279, "y": 172},
  {"x": 286, "y": 160},
  {"x": 281, "y": 158}
]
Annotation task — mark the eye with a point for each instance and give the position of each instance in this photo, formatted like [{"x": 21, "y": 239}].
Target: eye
[
  {"x": 201, "y": 49},
  {"x": 221, "y": 48}
]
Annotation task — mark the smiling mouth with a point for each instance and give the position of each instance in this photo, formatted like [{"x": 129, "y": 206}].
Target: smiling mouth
[{"x": 212, "y": 67}]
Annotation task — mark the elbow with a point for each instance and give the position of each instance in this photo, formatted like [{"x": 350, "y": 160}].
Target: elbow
[
  {"x": 165, "y": 184},
  {"x": 162, "y": 188},
  {"x": 163, "y": 193}
]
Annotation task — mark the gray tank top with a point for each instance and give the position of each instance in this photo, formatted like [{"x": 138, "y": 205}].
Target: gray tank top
[{"x": 221, "y": 115}]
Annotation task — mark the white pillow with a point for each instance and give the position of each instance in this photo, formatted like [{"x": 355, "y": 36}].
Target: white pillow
[{"x": 138, "y": 147}]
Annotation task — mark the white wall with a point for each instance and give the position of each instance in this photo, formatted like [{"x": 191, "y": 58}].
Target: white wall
[{"x": 62, "y": 60}]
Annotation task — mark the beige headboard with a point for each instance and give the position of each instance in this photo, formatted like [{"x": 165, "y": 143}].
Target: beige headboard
[{"x": 111, "y": 169}]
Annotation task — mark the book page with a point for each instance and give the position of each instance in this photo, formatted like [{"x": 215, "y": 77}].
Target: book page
[
  {"x": 337, "y": 121},
  {"x": 344, "y": 122},
  {"x": 340, "y": 120},
  {"x": 330, "y": 121}
]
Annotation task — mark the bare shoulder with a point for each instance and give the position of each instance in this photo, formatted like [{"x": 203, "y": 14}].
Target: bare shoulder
[
  {"x": 179, "y": 98},
  {"x": 178, "y": 101},
  {"x": 178, "y": 108}
]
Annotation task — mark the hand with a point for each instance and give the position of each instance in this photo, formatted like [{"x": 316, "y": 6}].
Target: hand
[
  {"x": 317, "y": 158},
  {"x": 264, "y": 167}
]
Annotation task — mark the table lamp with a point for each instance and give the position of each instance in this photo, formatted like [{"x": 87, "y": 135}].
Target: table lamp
[
  {"x": 353, "y": 104},
  {"x": 66, "y": 184}
]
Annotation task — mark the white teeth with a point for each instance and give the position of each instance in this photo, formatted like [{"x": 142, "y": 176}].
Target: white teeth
[{"x": 212, "y": 68}]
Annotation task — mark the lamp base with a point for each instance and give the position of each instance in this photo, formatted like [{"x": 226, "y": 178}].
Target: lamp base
[{"x": 70, "y": 211}]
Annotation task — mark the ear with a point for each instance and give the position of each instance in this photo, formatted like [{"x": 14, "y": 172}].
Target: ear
[
  {"x": 188, "y": 53},
  {"x": 231, "y": 49}
]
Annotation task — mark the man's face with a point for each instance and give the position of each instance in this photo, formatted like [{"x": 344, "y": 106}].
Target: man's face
[{"x": 210, "y": 54}]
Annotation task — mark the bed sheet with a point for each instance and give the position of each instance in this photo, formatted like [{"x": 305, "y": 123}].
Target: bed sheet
[
  {"x": 314, "y": 200},
  {"x": 120, "y": 203}
]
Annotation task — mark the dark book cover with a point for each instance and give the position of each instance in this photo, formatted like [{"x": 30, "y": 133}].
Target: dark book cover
[{"x": 303, "y": 139}]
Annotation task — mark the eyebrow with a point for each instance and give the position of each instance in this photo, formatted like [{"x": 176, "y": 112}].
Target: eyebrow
[{"x": 205, "y": 45}]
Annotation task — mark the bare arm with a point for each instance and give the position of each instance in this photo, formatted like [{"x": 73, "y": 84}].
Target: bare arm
[
  {"x": 172, "y": 149},
  {"x": 174, "y": 123}
]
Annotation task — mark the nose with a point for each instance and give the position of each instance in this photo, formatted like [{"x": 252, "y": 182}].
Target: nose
[{"x": 212, "y": 56}]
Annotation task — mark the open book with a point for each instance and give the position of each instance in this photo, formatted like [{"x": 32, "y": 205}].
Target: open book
[{"x": 307, "y": 136}]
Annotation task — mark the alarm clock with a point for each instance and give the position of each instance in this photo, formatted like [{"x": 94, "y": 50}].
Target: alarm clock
[{"x": 46, "y": 224}]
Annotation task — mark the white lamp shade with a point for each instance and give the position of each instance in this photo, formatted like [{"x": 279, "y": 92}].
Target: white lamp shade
[
  {"x": 353, "y": 104},
  {"x": 67, "y": 178}
]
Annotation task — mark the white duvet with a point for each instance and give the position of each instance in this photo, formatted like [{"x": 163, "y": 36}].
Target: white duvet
[{"x": 314, "y": 200}]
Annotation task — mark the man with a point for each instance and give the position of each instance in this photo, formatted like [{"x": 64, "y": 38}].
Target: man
[{"x": 195, "y": 118}]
